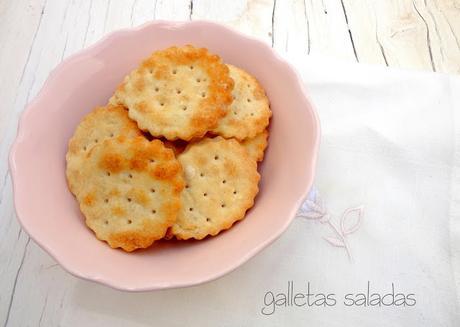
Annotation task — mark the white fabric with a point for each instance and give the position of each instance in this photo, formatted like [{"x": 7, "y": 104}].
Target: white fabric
[{"x": 391, "y": 143}]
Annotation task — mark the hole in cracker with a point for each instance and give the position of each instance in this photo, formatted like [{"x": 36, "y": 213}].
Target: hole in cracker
[
  {"x": 249, "y": 85},
  {"x": 106, "y": 222},
  {"x": 157, "y": 89},
  {"x": 179, "y": 91},
  {"x": 154, "y": 211},
  {"x": 174, "y": 71},
  {"x": 129, "y": 199},
  {"x": 224, "y": 181},
  {"x": 208, "y": 219},
  {"x": 130, "y": 175},
  {"x": 184, "y": 108},
  {"x": 108, "y": 173},
  {"x": 235, "y": 113},
  {"x": 84, "y": 148},
  {"x": 190, "y": 209},
  {"x": 216, "y": 157},
  {"x": 151, "y": 160},
  {"x": 106, "y": 200},
  {"x": 151, "y": 71},
  {"x": 162, "y": 104},
  {"x": 198, "y": 80},
  {"x": 248, "y": 100},
  {"x": 152, "y": 190},
  {"x": 223, "y": 205},
  {"x": 112, "y": 135},
  {"x": 234, "y": 192},
  {"x": 130, "y": 221},
  {"x": 205, "y": 194},
  {"x": 186, "y": 186},
  {"x": 191, "y": 67},
  {"x": 96, "y": 140},
  {"x": 203, "y": 94}
]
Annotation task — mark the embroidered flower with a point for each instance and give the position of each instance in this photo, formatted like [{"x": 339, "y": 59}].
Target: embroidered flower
[{"x": 313, "y": 209}]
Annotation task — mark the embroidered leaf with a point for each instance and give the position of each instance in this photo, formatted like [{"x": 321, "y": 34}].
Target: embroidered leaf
[
  {"x": 335, "y": 241},
  {"x": 310, "y": 215},
  {"x": 351, "y": 220}
]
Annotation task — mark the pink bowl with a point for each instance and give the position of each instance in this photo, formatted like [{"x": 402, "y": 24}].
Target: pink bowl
[{"x": 49, "y": 213}]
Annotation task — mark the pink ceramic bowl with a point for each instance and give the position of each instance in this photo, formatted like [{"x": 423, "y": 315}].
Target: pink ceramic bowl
[{"x": 49, "y": 213}]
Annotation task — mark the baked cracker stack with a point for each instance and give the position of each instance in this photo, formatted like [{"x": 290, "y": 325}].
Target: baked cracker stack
[{"x": 173, "y": 154}]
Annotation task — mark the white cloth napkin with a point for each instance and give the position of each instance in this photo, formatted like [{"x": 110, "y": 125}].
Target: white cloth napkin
[{"x": 389, "y": 179}]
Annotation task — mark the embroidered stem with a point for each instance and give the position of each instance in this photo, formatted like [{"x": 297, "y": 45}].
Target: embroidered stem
[{"x": 342, "y": 238}]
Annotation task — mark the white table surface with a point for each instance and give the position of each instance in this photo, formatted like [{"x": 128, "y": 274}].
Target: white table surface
[{"x": 35, "y": 35}]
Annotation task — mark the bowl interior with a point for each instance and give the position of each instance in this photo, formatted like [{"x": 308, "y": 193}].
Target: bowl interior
[{"x": 50, "y": 214}]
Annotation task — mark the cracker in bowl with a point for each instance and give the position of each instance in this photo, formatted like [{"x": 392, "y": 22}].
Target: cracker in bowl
[
  {"x": 221, "y": 184},
  {"x": 249, "y": 113},
  {"x": 256, "y": 146},
  {"x": 177, "y": 93},
  {"x": 131, "y": 191},
  {"x": 100, "y": 124}
]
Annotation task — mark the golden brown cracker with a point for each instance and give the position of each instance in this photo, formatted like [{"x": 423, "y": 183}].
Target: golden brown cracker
[
  {"x": 221, "y": 184},
  {"x": 256, "y": 145},
  {"x": 100, "y": 124},
  {"x": 131, "y": 191},
  {"x": 249, "y": 114},
  {"x": 177, "y": 93}
]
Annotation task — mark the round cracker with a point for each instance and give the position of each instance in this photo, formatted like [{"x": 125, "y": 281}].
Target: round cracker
[
  {"x": 221, "y": 184},
  {"x": 132, "y": 191},
  {"x": 100, "y": 124},
  {"x": 177, "y": 93},
  {"x": 256, "y": 145},
  {"x": 250, "y": 112}
]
